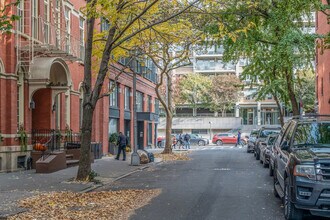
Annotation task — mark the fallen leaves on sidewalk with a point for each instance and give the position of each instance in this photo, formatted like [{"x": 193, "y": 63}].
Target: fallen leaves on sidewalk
[
  {"x": 173, "y": 156},
  {"x": 95, "y": 205}
]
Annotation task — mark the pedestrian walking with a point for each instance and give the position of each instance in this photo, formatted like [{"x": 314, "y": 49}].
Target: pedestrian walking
[
  {"x": 122, "y": 143},
  {"x": 187, "y": 141},
  {"x": 238, "y": 139},
  {"x": 174, "y": 142}
]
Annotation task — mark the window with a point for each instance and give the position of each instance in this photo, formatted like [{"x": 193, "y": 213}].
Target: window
[
  {"x": 113, "y": 125},
  {"x": 68, "y": 29},
  {"x": 149, "y": 133},
  {"x": 20, "y": 13},
  {"x": 199, "y": 131},
  {"x": 139, "y": 102},
  {"x": 35, "y": 13},
  {"x": 149, "y": 103},
  {"x": 104, "y": 25},
  {"x": 156, "y": 106},
  {"x": 82, "y": 37},
  {"x": 177, "y": 131},
  {"x": 20, "y": 98},
  {"x": 113, "y": 95},
  {"x": 46, "y": 21},
  {"x": 127, "y": 98}
]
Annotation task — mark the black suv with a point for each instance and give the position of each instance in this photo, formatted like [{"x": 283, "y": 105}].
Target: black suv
[
  {"x": 302, "y": 166},
  {"x": 264, "y": 132}
]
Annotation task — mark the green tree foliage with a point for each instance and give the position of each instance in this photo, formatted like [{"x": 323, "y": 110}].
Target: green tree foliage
[
  {"x": 218, "y": 93},
  {"x": 223, "y": 93},
  {"x": 273, "y": 41},
  {"x": 194, "y": 89},
  {"x": 6, "y": 18}
]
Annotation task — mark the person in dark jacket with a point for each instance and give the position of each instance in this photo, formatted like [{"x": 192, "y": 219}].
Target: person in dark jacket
[
  {"x": 122, "y": 143},
  {"x": 238, "y": 139}
]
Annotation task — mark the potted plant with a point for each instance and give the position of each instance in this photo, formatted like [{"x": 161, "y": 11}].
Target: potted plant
[
  {"x": 22, "y": 136},
  {"x": 113, "y": 143}
]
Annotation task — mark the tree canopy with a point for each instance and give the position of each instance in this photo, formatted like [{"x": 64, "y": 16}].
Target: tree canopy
[{"x": 274, "y": 42}]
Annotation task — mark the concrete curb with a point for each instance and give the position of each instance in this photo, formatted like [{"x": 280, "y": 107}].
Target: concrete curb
[{"x": 94, "y": 187}]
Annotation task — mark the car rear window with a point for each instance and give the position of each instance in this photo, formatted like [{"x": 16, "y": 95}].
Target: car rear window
[
  {"x": 265, "y": 133},
  {"x": 312, "y": 133}
]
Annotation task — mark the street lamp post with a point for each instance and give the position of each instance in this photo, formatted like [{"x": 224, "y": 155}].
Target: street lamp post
[
  {"x": 135, "y": 159},
  {"x": 210, "y": 130}
]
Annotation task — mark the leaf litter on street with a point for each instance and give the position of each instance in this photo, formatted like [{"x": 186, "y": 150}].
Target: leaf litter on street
[
  {"x": 173, "y": 156},
  {"x": 118, "y": 205}
]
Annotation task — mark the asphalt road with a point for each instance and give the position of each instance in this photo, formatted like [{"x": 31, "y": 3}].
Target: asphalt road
[{"x": 224, "y": 183}]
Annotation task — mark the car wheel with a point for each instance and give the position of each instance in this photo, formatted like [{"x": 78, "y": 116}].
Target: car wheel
[
  {"x": 201, "y": 143},
  {"x": 219, "y": 143},
  {"x": 271, "y": 171},
  {"x": 247, "y": 150},
  {"x": 290, "y": 211},
  {"x": 265, "y": 165}
]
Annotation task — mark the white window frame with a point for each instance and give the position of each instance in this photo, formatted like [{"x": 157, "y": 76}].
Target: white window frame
[
  {"x": 46, "y": 21},
  {"x": 35, "y": 19},
  {"x": 20, "y": 12},
  {"x": 82, "y": 37}
]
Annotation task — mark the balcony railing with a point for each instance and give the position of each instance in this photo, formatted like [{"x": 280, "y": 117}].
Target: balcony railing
[{"x": 51, "y": 39}]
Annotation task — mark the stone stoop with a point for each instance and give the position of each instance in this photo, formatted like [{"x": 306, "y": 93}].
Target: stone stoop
[{"x": 51, "y": 163}]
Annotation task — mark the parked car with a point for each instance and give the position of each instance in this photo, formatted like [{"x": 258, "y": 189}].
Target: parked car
[
  {"x": 262, "y": 135},
  {"x": 195, "y": 139},
  {"x": 252, "y": 140},
  {"x": 265, "y": 149},
  {"x": 224, "y": 138},
  {"x": 273, "y": 151},
  {"x": 161, "y": 141},
  {"x": 302, "y": 167}
]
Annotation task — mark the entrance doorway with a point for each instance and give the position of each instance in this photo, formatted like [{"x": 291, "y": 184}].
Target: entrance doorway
[
  {"x": 140, "y": 134},
  {"x": 250, "y": 118},
  {"x": 127, "y": 128}
]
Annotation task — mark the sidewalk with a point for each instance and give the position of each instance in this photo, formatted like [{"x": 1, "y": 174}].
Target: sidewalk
[{"x": 18, "y": 185}]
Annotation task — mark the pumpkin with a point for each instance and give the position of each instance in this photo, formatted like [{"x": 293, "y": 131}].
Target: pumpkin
[{"x": 39, "y": 147}]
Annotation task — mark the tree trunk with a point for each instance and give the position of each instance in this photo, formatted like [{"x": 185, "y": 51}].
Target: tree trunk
[
  {"x": 292, "y": 95},
  {"x": 168, "y": 139},
  {"x": 279, "y": 109},
  {"x": 88, "y": 108},
  {"x": 169, "y": 116},
  {"x": 86, "y": 137}
]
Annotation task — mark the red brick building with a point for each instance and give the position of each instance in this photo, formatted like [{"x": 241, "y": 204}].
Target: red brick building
[
  {"x": 323, "y": 66},
  {"x": 41, "y": 73}
]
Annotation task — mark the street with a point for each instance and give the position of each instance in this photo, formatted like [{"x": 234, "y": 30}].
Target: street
[{"x": 220, "y": 183}]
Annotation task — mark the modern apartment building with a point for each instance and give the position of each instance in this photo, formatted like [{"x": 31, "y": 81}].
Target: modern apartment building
[
  {"x": 247, "y": 113},
  {"x": 323, "y": 65}
]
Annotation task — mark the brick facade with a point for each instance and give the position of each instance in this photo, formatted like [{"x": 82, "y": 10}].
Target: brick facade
[
  {"x": 323, "y": 67},
  {"x": 43, "y": 114}
]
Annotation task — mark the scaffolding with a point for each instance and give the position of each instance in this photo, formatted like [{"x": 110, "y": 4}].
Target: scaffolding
[{"x": 44, "y": 36}]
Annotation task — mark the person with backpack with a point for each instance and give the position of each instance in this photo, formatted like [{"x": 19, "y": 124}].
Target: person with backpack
[
  {"x": 122, "y": 143},
  {"x": 187, "y": 141}
]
